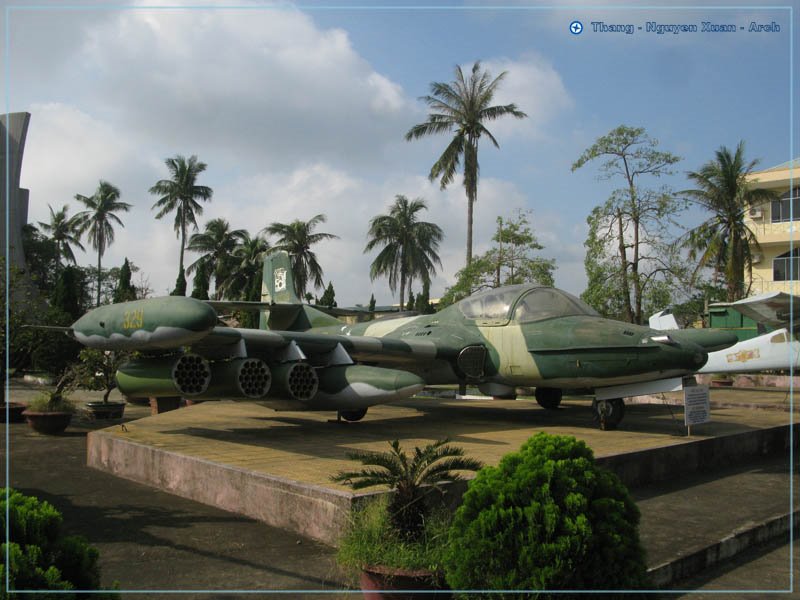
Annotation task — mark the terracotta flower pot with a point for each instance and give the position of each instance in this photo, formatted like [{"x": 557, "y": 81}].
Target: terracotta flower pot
[
  {"x": 378, "y": 579},
  {"x": 11, "y": 412},
  {"x": 106, "y": 410},
  {"x": 50, "y": 423}
]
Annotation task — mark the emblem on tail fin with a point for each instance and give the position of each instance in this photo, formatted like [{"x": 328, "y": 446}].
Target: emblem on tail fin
[{"x": 280, "y": 280}]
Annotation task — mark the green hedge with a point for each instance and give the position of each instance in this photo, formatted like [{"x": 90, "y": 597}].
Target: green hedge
[
  {"x": 41, "y": 557},
  {"x": 546, "y": 518}
]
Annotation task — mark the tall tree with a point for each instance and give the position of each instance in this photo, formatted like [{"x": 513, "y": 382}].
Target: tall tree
[
  {"x": 296, "y": 238},
  {"x": 180, "y": 194},
  {"x": 463, "y": 106},
  {"x": 409, "y": 246},
  {"x": 243, "y": 281},
  {"x": 511, "y": 260},
  {"x": 724, "y": 242},
  {"x": 65, "y": 233},
  {"x": 98, "y": 220},
  {"x": 125, "y": 290},
  {"x": 634, "y": 217},
  {"x": 216, "y": 245},
  {"x": 328, "y": 296}
]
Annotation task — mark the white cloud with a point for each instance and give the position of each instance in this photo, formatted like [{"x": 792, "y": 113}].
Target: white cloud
[
  {"x": 268, "y": 86},
  {"x": 535, "y": 87}
]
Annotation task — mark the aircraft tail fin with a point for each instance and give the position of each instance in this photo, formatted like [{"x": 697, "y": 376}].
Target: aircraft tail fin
[
  {"x": 286, "y": 311},
  {"x": 277, "y": 284}
]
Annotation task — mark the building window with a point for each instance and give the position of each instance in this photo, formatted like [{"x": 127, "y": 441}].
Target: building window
[
  {"x": 782, "y": 264},
  {"x": 781, "y": 208}
]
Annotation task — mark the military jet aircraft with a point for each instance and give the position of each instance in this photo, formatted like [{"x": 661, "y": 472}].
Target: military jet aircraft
[{"x": 303, "y": 358}]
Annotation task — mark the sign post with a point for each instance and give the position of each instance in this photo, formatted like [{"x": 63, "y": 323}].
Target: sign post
[{"x": 696, "y": 406}]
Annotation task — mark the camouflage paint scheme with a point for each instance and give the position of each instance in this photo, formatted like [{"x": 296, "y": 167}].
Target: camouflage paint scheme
[{"x": 303, "y": 358}]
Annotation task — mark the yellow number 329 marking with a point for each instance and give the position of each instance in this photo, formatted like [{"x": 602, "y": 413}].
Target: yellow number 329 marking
[{"x": 133, "y": 319}]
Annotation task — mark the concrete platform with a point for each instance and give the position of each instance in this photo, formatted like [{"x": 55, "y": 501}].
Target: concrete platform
[{"x": 275, "y": 467}]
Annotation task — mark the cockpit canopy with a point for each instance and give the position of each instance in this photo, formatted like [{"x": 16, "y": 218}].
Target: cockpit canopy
[{"x": 523, "y": 304}]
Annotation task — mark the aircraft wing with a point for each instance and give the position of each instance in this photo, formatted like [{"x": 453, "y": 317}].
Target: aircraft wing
[
  {"x": 772, "y": 309},
  {"x": 360, "y": 348}
]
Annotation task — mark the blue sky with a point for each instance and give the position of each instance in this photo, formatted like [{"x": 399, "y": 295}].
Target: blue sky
[{"x": 299, "y": 111}]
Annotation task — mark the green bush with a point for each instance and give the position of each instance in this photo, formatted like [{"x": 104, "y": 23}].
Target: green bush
[
  {"x": 40, "y": 556},
  {"x": 546, "y": 518},
  {"x": 373, "y": 540}
]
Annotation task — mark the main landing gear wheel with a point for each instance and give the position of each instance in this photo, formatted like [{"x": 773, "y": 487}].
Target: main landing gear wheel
[
  {"x": 353, "y": 415},
  {"x": 608, "y": 412},
  {"x": 548, "y": 398}
]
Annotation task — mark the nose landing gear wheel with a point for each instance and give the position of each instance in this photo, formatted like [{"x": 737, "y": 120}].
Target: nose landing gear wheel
[
  {"x": 353, "y": 415},
  {"x": 608, "y": 412}
]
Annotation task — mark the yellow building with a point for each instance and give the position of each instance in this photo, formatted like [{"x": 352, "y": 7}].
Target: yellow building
[{"x": 776, "y": 225}]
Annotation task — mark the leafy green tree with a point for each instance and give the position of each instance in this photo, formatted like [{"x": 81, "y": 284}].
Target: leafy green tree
[
  {"x": 328, "y": 297},
  {"x": 511, "y": 260},
  {"x": 724, "y": 242},
  {"x": 125, "y": 290},
  {"x": 406, "y": 475},
  {"x": 98, "y": 220},
  {"x": 180, "y": 284},
  {"x": 40, "y": 258},
  {"x": 635, "y": 220},
  {"x": 422, "y": 304},
  {"x": 663, "y": 279},
  {"x": 463, "y": 107},
  {"x": 409, "y": 246},
  {"x": 64, "y": 232},
  {"x": 296, "y": 238},
  {"x": 202, "y": 281},
  {"x": 67, "y": 293},
  {"x": 216, "y": 246},
  {"x": 411, "y": 301},
  {"x": 546, "y": 518},
  {"x": 180, "y": 194},
  {"x": 243, "y": 281},
  {"x": 372, "y": 303}
]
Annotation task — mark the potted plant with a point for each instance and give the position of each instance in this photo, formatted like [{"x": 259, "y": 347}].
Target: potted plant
[
  {"x": 97, "y": 371},
  {"x": 52, "y": 411},
  {"x": 397, "y": 542}
]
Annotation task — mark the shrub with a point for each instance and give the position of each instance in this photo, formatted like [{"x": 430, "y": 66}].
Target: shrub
[
  {"x": 546, "y": 518},
  {"x": 410, "y": 477},
  {"x": 40, "y": 556},
  {"x": 372, "y": 540}
]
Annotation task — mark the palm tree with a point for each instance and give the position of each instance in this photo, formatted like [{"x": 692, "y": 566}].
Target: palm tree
[
  {"x": 216, "y": 244},
  {"x": 724, "y": 241},
  {"x": 98, "y": 220},
  {"x": 296, "y": 238},
  {"x": 180, "y": 194},
  {"x": 432, "y": 465},
  {"x": 244, "y": 280},
  {"x": 409, "y": 246},
  {"x": 64, "y": 232},
  {"x": 463, "y": 106}
]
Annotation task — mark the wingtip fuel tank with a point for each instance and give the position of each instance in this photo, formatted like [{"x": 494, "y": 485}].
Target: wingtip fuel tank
[{"x": 150, "y": 324}]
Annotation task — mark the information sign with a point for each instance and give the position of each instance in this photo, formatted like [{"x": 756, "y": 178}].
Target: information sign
[{"x": 696, "y": 405}]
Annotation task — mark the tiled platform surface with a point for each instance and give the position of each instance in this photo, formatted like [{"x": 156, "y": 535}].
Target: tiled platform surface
[{"x": 276, "y": 466}]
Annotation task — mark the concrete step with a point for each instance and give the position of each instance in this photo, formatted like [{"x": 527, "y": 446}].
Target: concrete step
[{"x": 704, "y": 519}]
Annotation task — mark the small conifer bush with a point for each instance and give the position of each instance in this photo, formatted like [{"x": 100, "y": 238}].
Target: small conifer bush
[
  {"x": 40, "y": 556},
  {"x": 546, "y": 518}
]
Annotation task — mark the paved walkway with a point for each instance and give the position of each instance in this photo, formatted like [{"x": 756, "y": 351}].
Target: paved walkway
[{"x": 152, "y": 540}]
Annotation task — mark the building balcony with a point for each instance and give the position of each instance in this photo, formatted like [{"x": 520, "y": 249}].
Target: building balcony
[
  {"x": 775, "y": 233},
  {"x": 763, "y": 286}
]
